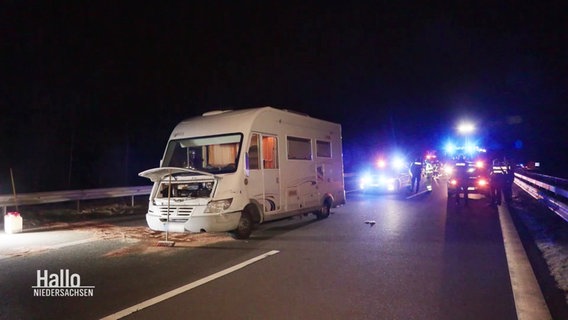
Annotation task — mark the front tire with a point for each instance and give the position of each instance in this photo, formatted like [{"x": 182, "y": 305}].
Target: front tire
[
  {"x": 244, "y": 229},
  {"x": 324, "y": 211}
]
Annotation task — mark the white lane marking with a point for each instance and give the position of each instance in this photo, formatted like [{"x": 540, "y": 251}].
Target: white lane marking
[
  {"x": 187, "y": 287},
  {"x": 529, "y": 301},
  {"x": 23, "y": 250},
  {"x": 417, "y": 194},
  {"x": 73, "y": 243}
]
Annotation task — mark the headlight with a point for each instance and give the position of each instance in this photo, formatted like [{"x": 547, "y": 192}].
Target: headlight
[
  {"x": 366, "y": 179},
  {"x": 398, "y": 163},
  {"x": 218, "y": 206}
]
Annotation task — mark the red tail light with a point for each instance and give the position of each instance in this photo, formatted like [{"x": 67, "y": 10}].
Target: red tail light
[
  {"x": 453, "y": 182},
  {"x": 482, "y": 182}
]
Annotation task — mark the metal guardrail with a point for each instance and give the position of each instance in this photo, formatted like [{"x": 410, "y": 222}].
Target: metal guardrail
[
  {"x": 8, "y": 200},
  {"x": 553, "y": 196},
  {"x": 27, "y": 199}
]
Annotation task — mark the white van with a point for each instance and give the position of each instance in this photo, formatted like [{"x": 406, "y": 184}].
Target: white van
[{"x": 227, "y": 170}]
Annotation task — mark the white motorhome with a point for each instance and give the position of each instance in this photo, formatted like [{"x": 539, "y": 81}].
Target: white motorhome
[{"x": 228, "y": 170}]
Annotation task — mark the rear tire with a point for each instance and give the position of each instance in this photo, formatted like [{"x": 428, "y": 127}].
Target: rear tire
[
  {"x": 244, "y": 229},
  {"x": 324, "y": 211}
]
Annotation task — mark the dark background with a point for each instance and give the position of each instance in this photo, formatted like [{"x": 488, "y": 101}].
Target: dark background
[{"x": 90, "y": 90}]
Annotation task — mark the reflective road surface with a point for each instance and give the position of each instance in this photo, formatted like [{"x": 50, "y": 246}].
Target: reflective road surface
[{"x": 378, "y": 257}]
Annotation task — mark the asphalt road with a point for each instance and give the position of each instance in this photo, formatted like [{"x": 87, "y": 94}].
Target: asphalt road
[{"x": 422, "y": 258}]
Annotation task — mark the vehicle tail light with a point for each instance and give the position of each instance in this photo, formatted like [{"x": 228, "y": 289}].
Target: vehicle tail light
[
  {"x": 482, "y": 182},
  {"x": 453, "y": 182}
]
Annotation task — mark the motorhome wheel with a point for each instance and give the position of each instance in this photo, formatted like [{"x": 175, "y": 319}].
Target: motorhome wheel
[
  {"x": 324, "y": 211},
  {"x": 244, "y": 228}
]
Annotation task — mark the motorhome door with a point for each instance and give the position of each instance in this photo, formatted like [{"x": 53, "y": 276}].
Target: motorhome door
[{"x": 264, "y": 176}]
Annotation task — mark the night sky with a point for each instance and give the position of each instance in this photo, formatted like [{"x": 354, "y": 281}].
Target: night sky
[{"x": 90, "y": 90}]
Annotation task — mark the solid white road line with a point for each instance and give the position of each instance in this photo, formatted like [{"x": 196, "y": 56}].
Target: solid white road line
[
  {"x": 417, "y": 194},
  {"x": 187, "y": 287},
  {"x": 529, "y": 301},
  {"x": 72, "y": 243},
  {"x": 22, "y": 250}
]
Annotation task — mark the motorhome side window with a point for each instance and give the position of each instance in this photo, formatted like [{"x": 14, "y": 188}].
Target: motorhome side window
[
  {"x": 216, "y": 154},
  {"x": 299, "y": 148},
  {"x": 268, "y": 154},
  {"x": 323, "y": 149}
]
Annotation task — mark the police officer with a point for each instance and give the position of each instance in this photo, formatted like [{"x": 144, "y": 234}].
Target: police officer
[
  {"x": 508, "y": 181},
  {"x": 415, "y": 173},
  {"x": 462, "y": 177},
  {"x": 497, "y": 178}
]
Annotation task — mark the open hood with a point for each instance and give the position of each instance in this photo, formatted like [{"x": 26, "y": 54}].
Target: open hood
[{"x": 157, "y": 174}]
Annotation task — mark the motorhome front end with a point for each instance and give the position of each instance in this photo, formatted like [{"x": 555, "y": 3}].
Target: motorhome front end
[{"x": 227, "y": 170}]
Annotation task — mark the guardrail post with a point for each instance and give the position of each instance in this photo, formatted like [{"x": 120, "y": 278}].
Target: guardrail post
[
  {"x": 78, "y": 206},
  {"x": 3, "y": 212},
  {"x": 132, "y": 201}
]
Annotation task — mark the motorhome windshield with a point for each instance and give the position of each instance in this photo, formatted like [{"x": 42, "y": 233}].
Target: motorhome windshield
[{"x": 213, "y": 154}]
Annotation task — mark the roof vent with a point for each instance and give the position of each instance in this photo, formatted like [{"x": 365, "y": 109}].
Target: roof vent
[
  {"x": 297, "y": 112},
  {"x": 214, "y": 112}
]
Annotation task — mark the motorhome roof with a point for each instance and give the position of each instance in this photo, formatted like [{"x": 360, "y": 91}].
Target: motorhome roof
[
  {"x": 221, "y": 111},
  {"x": 228, "y": 121}
]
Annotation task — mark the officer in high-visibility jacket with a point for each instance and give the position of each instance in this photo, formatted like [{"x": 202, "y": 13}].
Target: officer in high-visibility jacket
[
  {"x": 509, "y": 179},
  {"x": 497, "y": 180},
  {"x": 415, "y": 173},
  {"x": 462, "y": 176}
]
